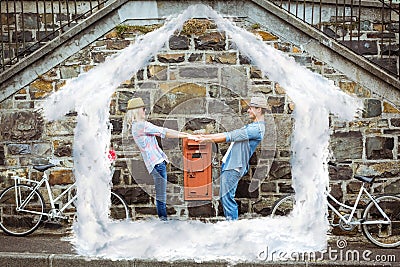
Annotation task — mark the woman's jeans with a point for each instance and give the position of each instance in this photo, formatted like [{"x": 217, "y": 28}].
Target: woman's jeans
[
  {"x": 228, "y": 184},
  {"x": 159, "y": 174}
]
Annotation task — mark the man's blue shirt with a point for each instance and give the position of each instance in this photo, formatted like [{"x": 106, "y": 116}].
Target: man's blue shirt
[{"x": 246, "y": 140}]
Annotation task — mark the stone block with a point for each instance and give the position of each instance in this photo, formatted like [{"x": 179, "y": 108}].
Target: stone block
[
  {"x": 19, "y": 149},
  {"x": 341, "y": 172},
  {"x": 284, "y": 129},
  {"x": 389, "y": 64},
  {"x": 157, "y": 72},
  {"x": 337, "y": 192},
  {"x": 182, "y": 99},
  {"x": 198, "y": 72},
  {"x": 285, "y": 188},
  {"x": 243, "y": 60},
  {"x": 395, "y": 122},
  {"x": 243, "y": 191},
  {"x": 116, "y": 125},
  {"x": 2, "y": 156},
  {"x": 200, "y": 124},
  {"x": 347, "y": 145},
  {"x": 139, "y": 172},
  {"x": 280, "y": 170},
  {"x": 61, "y": 177},
  {"x": 146, "y": 211},
  {"x": 29, "y": 20},
  {"x": 22, "y": 36},
  {"x": 41, "y": 149},
  {"x": 379, "y": 147},
  {"x": 354, "y": 88},
  {"x": 21, "y": 126},
  {"x": 266, "y": 36},
  {"x": 386, "y": 169},
  {"x": 268, "y": 187},
  {"x": 389, "y": 108},
  {"x": 40, "y": 89},
  {"x": 204, "y": 211},
  {"x": 195, "y": 57},
  {"x": 134, "y": 195},
  {"x": 69, "y": 72},
  {"x": 362, "y": 47},
  {"x": 277, "y": 104},
  {"x": 210, "y": 41},
  {"x": 62, "y": 148},
  {"x": 224, "y": 58},
  {"x": 179, "y": 42},
  {"x": 117, "y": 44},
  {"x": 393, "y": 188},
  {"x": 223, "y": 107},
  {"x": 373, "y": 108},
  {"x": 171, "y": 58},
  {"x": 234, "y": 79},
  {"x": 57, "y": 128},
  {"x": 262, "y": 207}
]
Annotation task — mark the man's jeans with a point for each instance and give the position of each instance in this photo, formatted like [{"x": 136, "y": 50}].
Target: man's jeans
[
  {"x": 228, "y": 184},
  {"x": 159, "y": 174}
]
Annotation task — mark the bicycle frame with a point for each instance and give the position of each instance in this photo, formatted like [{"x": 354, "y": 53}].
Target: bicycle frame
[
  {"x": 54, "y": 213},
  {"x": 354, "y": 208}
]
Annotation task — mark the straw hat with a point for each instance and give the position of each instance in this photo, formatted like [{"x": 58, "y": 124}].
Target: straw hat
[
  {"x": 258, "y": 102},
  {"x": 135, "y": 103}
]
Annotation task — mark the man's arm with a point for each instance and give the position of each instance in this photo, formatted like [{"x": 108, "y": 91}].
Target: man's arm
[{"x": 216, "y": 138}]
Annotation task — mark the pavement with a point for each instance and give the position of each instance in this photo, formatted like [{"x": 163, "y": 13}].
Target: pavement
[{"x": 51, "y": 248}]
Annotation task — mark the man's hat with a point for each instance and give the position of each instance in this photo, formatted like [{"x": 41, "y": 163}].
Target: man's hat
[
  {"x": 258, "y": 102},
  {"x": 134, "y": 103}
]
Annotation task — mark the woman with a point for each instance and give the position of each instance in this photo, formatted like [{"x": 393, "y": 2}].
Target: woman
[{"x": 144, "y": 133}]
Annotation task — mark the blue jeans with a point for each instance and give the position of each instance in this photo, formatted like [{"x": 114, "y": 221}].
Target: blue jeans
[
  {"x": 228, "y": 184},
  {"x": 159, "y": 174}
]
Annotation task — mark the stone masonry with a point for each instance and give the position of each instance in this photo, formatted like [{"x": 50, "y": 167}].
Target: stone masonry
[{"x": 199, "y": 82}]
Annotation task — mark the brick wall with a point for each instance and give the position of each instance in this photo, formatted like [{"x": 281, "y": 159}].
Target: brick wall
[{"x": 198, "y": 82}]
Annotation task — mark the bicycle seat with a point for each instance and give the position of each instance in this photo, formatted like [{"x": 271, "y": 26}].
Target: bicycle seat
[
  {"x": 365, "y": 179},
  {"x": 42, "y": 168}
]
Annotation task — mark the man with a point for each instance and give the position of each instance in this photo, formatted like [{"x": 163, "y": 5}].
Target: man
[{"x": 235, "y": 163}]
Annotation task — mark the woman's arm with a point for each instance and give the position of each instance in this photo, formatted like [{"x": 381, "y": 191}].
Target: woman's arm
[{"x": 176, "y": 134}]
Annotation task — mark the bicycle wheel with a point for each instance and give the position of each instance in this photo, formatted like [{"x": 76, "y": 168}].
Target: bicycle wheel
[
  {"x": 119, "y": 209},
  {"x": 28, "y": 219},
  {"x": 379, "y": 230},
  {"x": 283, "y": 206}
]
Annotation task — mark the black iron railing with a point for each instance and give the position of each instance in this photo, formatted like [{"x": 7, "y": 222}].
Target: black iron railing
[
  {"x": 369, "y": 28},
  {"x": 26, "y": 25}
]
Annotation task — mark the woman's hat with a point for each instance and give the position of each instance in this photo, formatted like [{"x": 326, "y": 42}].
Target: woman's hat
[
  {"x": 258, "y": 102},
  {"x": 135, "y": 103}
]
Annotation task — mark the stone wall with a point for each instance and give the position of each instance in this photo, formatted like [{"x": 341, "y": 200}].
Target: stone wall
[{"x": 199, "y": 81}]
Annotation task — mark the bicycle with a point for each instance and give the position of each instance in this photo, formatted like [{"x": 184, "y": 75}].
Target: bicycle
[
  {"x": 22, "y": 206},
  {"x": 380, "y": 220}
]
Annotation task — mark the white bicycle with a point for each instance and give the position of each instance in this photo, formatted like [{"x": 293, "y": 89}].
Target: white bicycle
[
  {"x": 22, "y": 206},
  {"x": 380, "y": 220}
]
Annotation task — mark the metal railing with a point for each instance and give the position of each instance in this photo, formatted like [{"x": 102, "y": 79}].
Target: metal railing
[
  {"x": 26, "y": 25},
  {"x": 369, "y": 28}
]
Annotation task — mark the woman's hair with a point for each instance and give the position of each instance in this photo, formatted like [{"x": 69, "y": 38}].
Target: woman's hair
[{"x": 131, "y": 116}]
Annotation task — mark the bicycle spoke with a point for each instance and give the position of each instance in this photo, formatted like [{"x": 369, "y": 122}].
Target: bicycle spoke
[
  {"x": 25, "y": 221},
  {"x": 382, "y": 231}
]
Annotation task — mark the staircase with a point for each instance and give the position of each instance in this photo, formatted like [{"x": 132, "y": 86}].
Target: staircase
[
  {"x": 369, "y": 28},
  {"x": 36, "y": 35}
]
